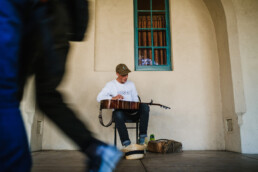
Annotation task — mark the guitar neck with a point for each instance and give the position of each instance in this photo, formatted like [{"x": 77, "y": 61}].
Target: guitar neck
[{"x": 156, "y": 104}]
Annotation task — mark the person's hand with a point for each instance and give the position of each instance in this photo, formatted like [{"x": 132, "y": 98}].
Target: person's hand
[{"x": 118, "y": 97}]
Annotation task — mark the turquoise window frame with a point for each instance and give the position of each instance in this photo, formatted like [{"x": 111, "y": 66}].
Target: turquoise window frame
[{"x": 168, "y": 66}]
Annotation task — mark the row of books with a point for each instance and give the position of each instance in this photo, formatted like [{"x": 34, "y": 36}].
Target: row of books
[
  {"x": 145, "y": 39},
  {"x": 158, "y": 21}
]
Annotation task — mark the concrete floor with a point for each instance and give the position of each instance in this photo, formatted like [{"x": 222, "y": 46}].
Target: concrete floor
[{"x": 73, "y": 161}]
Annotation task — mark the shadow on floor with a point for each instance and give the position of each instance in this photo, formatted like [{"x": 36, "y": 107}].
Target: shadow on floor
[{"x": 74, "y": 161}]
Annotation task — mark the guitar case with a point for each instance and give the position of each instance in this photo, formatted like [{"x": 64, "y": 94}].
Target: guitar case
[{"x": 164, "y": 146}]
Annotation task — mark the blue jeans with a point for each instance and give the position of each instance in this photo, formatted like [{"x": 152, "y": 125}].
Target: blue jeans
[
  {"x": 120, "y": 116},
  {"x": 14, "y": 148}
]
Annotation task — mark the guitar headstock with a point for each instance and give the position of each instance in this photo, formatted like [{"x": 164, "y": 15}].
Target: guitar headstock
[{"x": 165, "y": 107}]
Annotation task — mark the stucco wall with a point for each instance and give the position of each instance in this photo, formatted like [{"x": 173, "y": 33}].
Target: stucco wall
[
  {"x": 33, "y": 118},
  {"x": 27, "y": 106},
  {"x": 247, "y": 14},
  {"x": 230, "y": 101},
  {"x": 192, "y": 89}
]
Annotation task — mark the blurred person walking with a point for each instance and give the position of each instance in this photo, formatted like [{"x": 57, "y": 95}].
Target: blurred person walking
[{"x": 34, "y": 39}]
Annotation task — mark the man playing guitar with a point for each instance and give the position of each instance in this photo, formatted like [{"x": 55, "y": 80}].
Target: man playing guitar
[{"x": 123, "y": 89}]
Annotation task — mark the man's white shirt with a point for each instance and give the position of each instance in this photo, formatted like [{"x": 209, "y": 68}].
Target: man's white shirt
[{"x": 113, "y": 88}]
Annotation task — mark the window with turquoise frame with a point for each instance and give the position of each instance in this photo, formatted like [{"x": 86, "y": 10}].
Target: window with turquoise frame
[{"x": 152, "y": 35}]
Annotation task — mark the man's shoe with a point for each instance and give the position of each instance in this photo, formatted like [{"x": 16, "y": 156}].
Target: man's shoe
[{"x": 106, "y": 159}]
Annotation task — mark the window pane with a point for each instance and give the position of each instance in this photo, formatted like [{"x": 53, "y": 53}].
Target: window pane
[
  {"x": 152, "y": 41},
  {"x": 143, "y": 4},
  {"x": 144, "y": 20},
  {"x": 158, "y": 20},
  {"x": 144, "y": 38},
  {"x": 158, "y": 4},
  {"x": 159, "y": 38},
  {"x": 145, "y": 57},
  {"x": 160, "y": 56}
]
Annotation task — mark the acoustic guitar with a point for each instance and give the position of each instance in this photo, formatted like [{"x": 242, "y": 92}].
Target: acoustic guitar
[{"x": 120, "y": 104}]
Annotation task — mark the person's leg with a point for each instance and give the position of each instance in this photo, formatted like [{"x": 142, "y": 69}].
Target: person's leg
[
  {"x": 14, "y": 148},
  {"x": 144, "y": 120},
  {"x": 119, "y": 118},
  {"x": 50, "y": 68}
]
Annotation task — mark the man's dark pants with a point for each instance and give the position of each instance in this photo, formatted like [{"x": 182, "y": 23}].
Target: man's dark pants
[{"x": 120, "y": 116}]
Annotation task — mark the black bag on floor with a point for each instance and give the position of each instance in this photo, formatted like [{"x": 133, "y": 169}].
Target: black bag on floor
[{"x": 164, "y": 146}]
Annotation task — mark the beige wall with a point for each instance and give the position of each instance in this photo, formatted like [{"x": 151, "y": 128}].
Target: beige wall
[
  {"x": 113, "y": 28},
  {"x": 27, "y": 106},
  {"x": 32, "y": 117},
  {"x": 247, "y": 15},
  {"x": 192, "y": 89},
  {"x": 229, "y": 102}
]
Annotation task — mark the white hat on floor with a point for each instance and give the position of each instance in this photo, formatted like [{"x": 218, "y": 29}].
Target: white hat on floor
[{"x": 134, "y": 151}]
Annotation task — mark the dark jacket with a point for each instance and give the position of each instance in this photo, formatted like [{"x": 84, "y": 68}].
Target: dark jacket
[{"x": 78, "y": 17}]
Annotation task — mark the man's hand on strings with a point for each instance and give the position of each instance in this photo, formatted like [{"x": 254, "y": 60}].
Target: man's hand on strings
[{"x": 118, "y": 97}]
